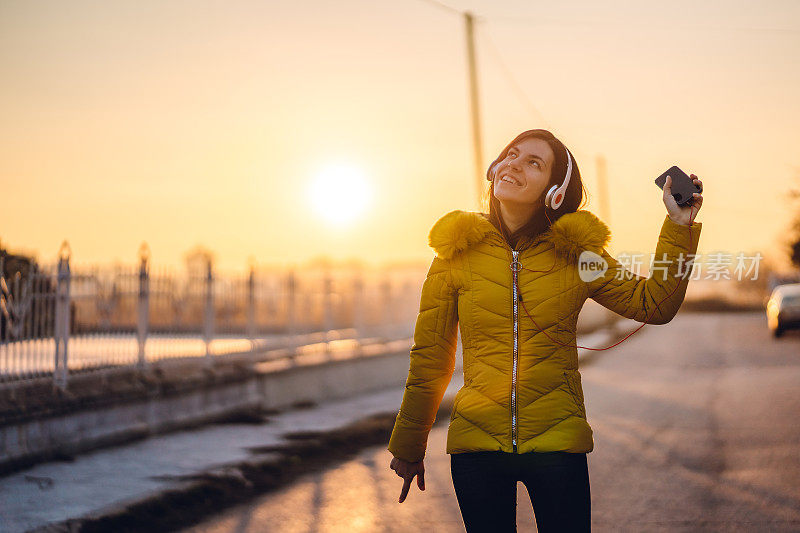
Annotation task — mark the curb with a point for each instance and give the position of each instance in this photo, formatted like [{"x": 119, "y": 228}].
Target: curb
[{"x": 198, "y": 496}]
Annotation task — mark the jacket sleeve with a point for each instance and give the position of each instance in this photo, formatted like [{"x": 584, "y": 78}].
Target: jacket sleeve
[
  {"x": 637, "y": 297},
  {"x": 431, "y": 366}
]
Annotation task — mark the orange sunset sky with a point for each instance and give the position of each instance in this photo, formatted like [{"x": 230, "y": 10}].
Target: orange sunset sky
[{"x": 217, "y": 123}]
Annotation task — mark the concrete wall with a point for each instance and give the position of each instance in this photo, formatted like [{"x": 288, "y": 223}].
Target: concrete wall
[{"x": 274, "y": 386}]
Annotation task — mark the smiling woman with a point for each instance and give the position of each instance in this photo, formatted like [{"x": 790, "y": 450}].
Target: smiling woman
[
  {"x": 339, "y": 193},
  {"x": 512, "y": 283}
]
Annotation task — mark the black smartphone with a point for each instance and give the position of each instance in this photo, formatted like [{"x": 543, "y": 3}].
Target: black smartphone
[{"x": 682, "y": 185}]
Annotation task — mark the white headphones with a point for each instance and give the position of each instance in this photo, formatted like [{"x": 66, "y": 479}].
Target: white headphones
[{"x": 555, "y": 196}]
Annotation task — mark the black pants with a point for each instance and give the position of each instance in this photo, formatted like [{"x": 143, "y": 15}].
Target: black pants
[{"x": 486, "y": 487}]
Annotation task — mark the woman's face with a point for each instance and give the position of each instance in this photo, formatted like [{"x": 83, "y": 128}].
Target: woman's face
[{"x": 525, "y": 171}]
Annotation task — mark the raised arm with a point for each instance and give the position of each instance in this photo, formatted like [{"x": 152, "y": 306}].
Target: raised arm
[
  {"x": 431, "y": 366},
  {"x": 656, "y": 299},
  {"x": 636, "y": 297}
]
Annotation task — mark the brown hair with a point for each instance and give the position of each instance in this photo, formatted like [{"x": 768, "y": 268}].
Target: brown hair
[{"x": 544, "y": 216}]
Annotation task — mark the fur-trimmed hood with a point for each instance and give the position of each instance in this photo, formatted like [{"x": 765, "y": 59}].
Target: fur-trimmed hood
[{"x": 571, "y": 234}]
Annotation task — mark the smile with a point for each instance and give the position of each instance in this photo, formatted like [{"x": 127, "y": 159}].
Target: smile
[{"x": 509, "y": 179}]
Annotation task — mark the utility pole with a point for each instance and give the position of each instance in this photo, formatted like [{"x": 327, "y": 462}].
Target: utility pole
[{"x": 474, "y": 105}]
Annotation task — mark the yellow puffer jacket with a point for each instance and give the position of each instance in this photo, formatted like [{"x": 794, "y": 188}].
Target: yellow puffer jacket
[{"x": 522, "y": 391}]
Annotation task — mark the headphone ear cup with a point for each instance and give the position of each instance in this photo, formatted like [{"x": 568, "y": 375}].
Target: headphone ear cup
[
  {"x": 557, "y": 200},
  {"x": 548, "y": 199}
]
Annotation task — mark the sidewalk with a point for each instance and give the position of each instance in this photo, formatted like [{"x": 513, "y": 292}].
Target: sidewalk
[{"x": 106, "y": 481}]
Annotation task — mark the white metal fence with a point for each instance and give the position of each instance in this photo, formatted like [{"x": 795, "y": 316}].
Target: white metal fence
[{"x": 61, "y": 318}]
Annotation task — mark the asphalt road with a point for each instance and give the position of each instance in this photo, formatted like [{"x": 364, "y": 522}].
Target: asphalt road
[{"x": 695, "y": 426}]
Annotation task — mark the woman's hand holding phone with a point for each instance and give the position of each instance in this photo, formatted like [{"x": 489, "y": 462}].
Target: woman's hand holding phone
[{"x": 682, "y": 214}]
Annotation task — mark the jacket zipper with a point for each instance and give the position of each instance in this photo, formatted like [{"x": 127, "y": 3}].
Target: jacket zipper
[{"x": 515, "y": 267}]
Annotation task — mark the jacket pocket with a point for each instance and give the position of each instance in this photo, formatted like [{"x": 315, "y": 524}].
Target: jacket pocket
[
  {"x": 577, "y": 398},
  {"x": 456, "y": 401}
]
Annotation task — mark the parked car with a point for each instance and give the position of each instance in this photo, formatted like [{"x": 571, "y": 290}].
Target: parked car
[{"x": 783, "y": 308}]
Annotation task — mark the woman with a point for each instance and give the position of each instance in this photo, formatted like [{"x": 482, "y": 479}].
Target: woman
[{"x": 512, "y": 279}]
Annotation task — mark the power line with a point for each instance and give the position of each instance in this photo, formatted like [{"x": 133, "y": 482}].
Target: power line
[
  {"x": 502, "y": 19},
  {"x": 511, "y": 80},
  {"x": 565, "y": 22},
  {"x": 517, "y": 88},
  {"x": 497, "y": 57},
  {"x": 440, "y": 5}
]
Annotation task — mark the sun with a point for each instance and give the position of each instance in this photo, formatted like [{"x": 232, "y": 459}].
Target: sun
[{"x": 340, "y": 193}]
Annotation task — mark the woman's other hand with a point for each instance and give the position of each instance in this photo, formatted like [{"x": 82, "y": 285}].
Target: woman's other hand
[
  {"x": 682, "y": 215},
  {"x": 407, "y": 471}
]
